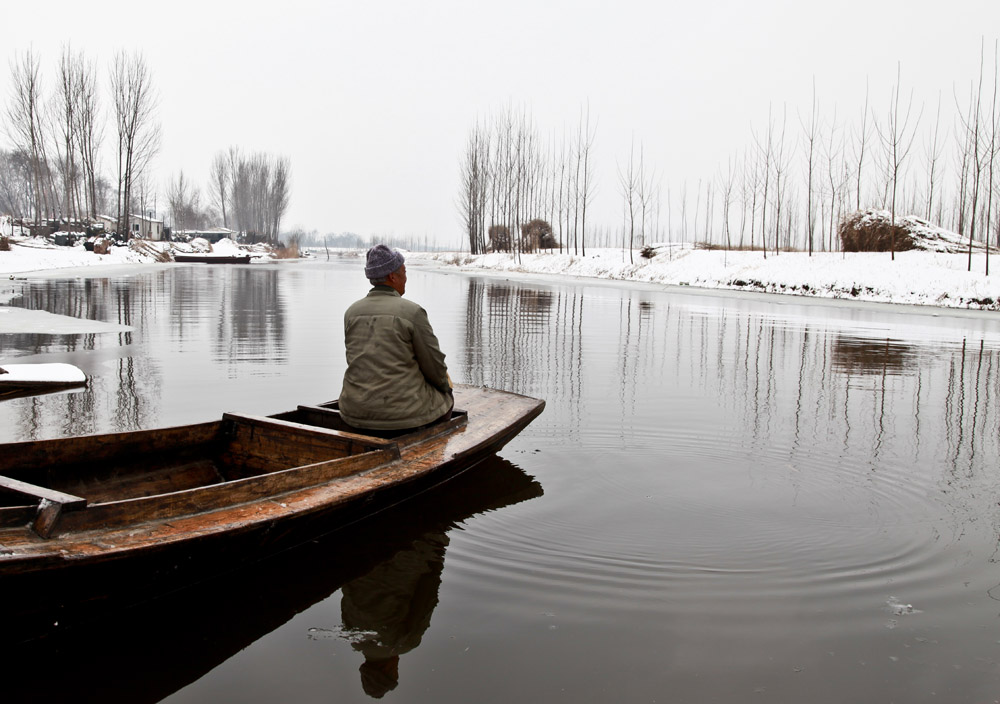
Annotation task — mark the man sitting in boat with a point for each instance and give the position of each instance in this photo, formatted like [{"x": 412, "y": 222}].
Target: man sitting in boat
[{"x": 396, "y": 378}]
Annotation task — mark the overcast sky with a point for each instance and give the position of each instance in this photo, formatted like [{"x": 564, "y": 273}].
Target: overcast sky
[{"x": 372, "y": 101}]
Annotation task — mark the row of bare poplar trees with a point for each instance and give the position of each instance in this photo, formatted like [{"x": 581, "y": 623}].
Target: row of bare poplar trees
[
  {"x": 801, "y": 175},
  {"x": 510, "y": 176},
  {"x": 248, "y": 192},
  {"x": 798, "y": 177},
  {"x": 53, "y": 171}
]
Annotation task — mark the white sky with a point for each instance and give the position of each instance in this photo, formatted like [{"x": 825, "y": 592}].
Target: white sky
[{"x": 372, "y": 102}]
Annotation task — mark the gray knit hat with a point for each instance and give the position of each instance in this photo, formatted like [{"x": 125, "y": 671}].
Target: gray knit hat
[{"x": 382, "y": 261}]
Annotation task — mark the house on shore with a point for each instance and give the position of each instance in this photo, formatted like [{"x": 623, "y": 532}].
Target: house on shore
[{"x": 146, "y": 227}]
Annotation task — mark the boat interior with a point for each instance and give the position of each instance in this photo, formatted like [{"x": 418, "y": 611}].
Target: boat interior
[{"x": 241, "y": 457}]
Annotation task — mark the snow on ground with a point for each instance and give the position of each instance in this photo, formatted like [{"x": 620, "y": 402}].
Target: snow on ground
[
  {"x": 39, "y": 254},
  {"x": 916, "y": 277}
]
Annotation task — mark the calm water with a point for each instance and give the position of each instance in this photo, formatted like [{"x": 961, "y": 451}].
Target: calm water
[{"x": 728, "y": 498}]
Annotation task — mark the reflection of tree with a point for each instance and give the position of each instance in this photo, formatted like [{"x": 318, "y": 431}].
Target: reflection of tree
[
  {"x": 934, "y": 400},
  {"x": 249, "y": 317},
  {"x": 517, "y": 335},
  {"x": 134, "y": 387},
  {"x": 234, "y": 313}
]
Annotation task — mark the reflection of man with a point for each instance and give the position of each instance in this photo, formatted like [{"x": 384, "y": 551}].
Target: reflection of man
[
  {"x": 396, "y": 378},
  {"x": 390, "y": 608}
]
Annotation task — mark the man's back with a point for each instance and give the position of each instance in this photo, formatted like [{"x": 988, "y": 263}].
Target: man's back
[{"x": 396, "y": 376}]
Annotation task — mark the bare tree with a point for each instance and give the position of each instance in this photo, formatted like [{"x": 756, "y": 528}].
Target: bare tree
[
  {"x": 67, "y": 99},
  {"x": 780, "y": 166},
  {"x": 647, "y": 192},
  {"x": 88, "y": 130},
  {"x": 897, "y": 139},
  {"x": 260, "y": 193},
  {"x": 16, "y": 177},
  {"x": 585, "y": 142},
  {"x": 933, "y": 152},
  {"x": 976, "y": 141},
  {"x": 184, "y": 202},
  {"x": 992, "y": 154},
  {"x": 810, "y": 134},
  {"x": 726, "y": 186},
  {"x": 219, "y": 185},
  {"x": 628, "y": 180},
  {"x": 752, "y": 173},
  {"x": 137, "y": 130},
  {"x": 836, "y": 178},
  {"x": 765, "y": 150},
  {"x": 278, "y": 194},
  {"x": 860, "y": 147},
  {"x": 25, "y": 124}
]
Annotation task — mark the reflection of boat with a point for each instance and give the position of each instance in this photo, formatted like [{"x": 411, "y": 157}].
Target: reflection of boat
[
  {"x": 202, "y": 492},
  {"x": 212, "y": 258},
  {"x": 29, "y": 379},
  {"x": 187, "y": 633}
]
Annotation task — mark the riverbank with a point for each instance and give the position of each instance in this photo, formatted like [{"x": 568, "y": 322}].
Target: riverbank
[
  {"x": 914, "y": 278},
  {"x": 38, "y": 254}
]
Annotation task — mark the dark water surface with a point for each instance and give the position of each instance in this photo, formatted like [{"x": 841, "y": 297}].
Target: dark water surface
[{"x": 728, "y": 498}]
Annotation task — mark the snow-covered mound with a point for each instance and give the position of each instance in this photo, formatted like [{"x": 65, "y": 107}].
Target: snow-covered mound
[{"x": 872, "y": 231}]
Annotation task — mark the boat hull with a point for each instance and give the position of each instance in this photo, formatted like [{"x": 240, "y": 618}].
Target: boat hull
[
  {"x": 211, "y": 259},
  {"x": 234, "y": 520}
]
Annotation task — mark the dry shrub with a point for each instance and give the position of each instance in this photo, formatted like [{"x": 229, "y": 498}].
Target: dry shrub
[
  {"x": 869, "y": 231},
  {"x": 4, "y": 244},
  {"x": 289, "y": 252},
  {"x": 499, "y": 238},
  {"x": 537, "y": 234}
]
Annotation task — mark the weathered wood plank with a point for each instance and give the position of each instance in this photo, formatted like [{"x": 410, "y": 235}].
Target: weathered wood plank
[
  {"x": 166, "y": 473},
  {"x": 40, "y": 492},
  {"x": 262, "y": 445},
  {"x": 330, "y": 418},
  {"x": 63, "y": 454},
  {"x": 218, "y": 496},
  {"x": 304, "y": 430}
]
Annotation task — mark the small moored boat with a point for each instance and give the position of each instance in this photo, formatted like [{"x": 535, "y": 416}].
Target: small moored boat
[
  {"x": 212, "y": 258},
  {"x": 230, "y": 488},
  {"x": 29, "y": 379}
]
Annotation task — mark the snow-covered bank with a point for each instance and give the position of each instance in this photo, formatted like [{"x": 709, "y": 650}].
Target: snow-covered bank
[
  {"x": 916, "y": 277},
  {"x": 40, "y": 254}
]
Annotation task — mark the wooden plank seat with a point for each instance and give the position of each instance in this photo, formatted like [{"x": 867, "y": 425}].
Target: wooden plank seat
[
  {"x": 51, "y": 503},
  {"x": 328, "y": 416}
]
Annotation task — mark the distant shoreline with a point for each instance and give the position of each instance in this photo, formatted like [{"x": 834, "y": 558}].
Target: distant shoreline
[
  {"x": 929, "y": 280},
  {"x": 924, "y": 279}
]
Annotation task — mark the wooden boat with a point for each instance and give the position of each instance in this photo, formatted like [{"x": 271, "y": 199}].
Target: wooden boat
[
  {"x": 29, "y": 379},
  {"x": 212, "y": 258},
  {"x": 242, "y": 485}
]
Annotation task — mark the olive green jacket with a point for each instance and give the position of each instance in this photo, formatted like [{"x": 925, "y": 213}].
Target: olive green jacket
[{"x": 396, "y": 376}]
